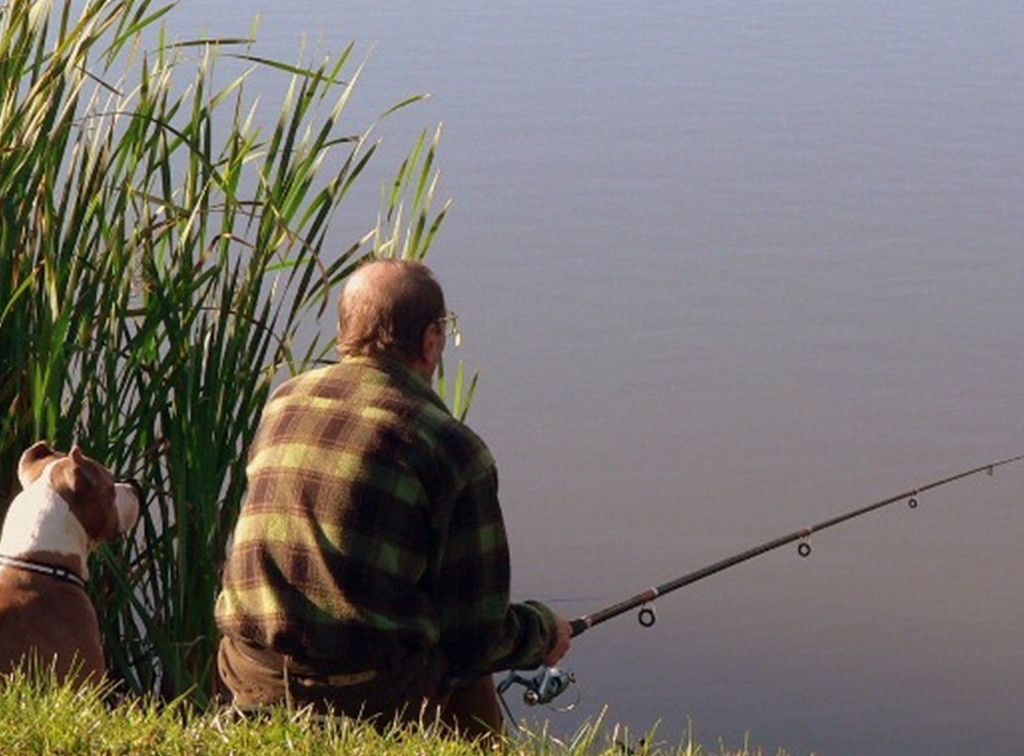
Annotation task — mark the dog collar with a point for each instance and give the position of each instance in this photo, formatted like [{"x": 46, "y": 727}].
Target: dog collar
[{"x": 43, "y": 569}]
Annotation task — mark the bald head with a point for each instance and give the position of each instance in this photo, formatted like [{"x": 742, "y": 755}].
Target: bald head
[{"x": 386, "y": 308}]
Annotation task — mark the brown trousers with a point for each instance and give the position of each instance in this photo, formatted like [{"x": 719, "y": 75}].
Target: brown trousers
[{"x": 411, "y": 692}]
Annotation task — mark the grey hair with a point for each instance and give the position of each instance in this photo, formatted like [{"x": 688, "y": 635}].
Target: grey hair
[{"x": 385, "y": 308}]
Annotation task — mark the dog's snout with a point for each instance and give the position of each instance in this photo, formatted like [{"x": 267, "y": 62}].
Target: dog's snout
[
  {"x": 134, "y": 484},
  {"x": 128, "y": 500}
]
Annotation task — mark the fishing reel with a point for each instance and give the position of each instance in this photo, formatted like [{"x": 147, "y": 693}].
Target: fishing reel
[{"x": 542, "y": 688}]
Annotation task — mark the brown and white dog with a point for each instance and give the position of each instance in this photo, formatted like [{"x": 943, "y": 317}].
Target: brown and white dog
[{"x": 68, "y": 505}]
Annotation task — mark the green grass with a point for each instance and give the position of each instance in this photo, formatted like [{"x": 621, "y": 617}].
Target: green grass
[{"x": 42, "y": 719}]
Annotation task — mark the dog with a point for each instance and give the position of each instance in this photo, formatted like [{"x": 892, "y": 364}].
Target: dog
[{"x": 68, "y": 505}]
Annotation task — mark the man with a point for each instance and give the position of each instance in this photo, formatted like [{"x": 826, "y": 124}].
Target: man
[{"x": 370, "y": 564}]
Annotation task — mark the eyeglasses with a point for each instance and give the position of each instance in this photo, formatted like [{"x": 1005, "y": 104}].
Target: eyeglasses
[{"x": 450, "y": 325}]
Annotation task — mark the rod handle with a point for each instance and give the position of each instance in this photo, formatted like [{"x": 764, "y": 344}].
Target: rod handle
[{"x": 578, "y": 626}]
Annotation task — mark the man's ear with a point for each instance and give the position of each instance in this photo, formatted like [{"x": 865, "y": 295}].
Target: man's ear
[{"x": 433, "y": 344}]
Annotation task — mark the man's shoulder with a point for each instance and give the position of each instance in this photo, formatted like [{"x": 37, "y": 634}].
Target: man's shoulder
[
  {"x": 323, "y": 379},
  {"x": 459, "y": 442}
]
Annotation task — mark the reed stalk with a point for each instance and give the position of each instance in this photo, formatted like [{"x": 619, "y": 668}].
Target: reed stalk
[{"x": 161, "y": 249}]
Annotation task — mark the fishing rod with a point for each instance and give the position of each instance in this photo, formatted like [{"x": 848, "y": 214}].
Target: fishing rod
[
  {"x": 647, "y": 618},
  {"x": 551, "y": 682}
]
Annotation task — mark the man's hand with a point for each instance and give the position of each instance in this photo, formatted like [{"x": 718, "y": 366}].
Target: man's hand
[{"x": 563, "y": 640}]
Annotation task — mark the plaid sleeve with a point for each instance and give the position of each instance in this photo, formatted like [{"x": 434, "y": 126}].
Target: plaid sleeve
[{"x": 480, "y": 628}]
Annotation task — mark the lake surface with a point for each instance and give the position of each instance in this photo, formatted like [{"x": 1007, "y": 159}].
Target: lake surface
[{"x": 729, "y": 269}]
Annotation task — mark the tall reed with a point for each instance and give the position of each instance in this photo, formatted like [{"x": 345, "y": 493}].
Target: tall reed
[{"x": 159, "y": 250}]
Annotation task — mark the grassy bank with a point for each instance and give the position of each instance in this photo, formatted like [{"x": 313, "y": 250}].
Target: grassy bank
[{"x": 50, "y": 720}]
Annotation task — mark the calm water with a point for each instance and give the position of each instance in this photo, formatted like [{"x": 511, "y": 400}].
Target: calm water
[{"x": 729, "y": 269}]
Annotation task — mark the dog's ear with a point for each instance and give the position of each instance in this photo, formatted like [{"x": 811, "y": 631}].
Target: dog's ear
[
  {"x": 80, "y": 473},
  {"x": 77, "y": 455},
  {"x": 88, "y": 488},
  {"x": 32, "y": 462}
]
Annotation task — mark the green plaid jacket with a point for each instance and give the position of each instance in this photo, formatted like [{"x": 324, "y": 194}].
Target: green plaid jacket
[{"x": 371, "y": 527}]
